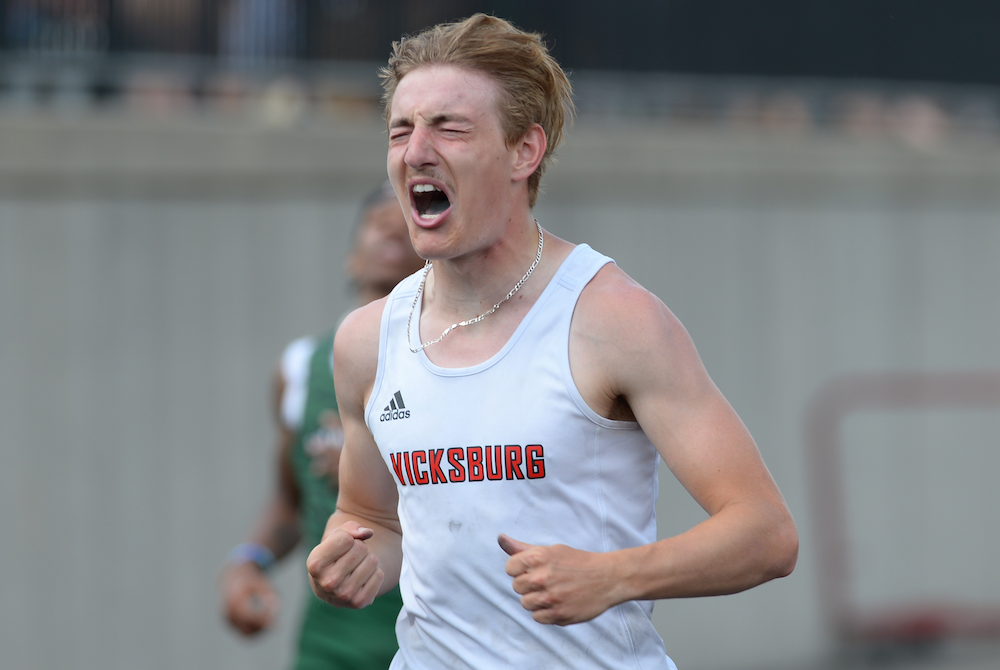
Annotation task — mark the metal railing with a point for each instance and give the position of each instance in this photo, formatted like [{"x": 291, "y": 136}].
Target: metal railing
[
  {"x": 225, "y": 50},
  {"x": 247, "y": 30}
]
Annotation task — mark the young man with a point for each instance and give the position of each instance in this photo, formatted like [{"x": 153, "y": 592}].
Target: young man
[
  {"x": 505, "y": 409},
  {"x": 311, "y": 437}
]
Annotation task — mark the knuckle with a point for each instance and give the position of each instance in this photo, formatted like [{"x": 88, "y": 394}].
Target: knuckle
[
  {"x": 329, "y": 585},
  {"x": 557, "y": 616},
  {"x": 538, "y": 580}
]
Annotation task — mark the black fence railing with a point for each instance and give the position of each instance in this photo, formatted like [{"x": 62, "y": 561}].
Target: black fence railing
[
  {"x": 248, "y": 30},
  {"x": 915, "y": 40},
  {"x": 642, "y": 59}
]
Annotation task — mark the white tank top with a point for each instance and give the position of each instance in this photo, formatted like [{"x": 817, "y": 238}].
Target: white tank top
[{"x": 508, "y": 446}]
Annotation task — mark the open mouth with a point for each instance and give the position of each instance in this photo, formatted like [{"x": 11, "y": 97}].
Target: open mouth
[{"x": 429, "y": 201}]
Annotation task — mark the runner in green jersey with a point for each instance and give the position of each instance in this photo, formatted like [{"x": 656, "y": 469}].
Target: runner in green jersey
[{"x": 309, "y": 452}]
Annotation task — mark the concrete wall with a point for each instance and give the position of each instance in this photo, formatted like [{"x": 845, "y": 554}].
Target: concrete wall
[{"x": 151, "y": 271}]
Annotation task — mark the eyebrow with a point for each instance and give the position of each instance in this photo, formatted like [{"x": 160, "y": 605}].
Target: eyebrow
[{"x": 435, "y": 120}]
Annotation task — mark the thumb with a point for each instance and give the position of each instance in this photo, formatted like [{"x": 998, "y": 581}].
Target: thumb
[
  {"x": 512, "y": 546},
  {"x": 357, "y": 531}
]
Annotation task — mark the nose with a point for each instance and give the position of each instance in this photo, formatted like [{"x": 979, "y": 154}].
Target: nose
[{"x": 419, "y": 149}]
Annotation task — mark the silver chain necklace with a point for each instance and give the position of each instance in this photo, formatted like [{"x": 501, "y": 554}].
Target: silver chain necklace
[{"x": 423, "y": 280}]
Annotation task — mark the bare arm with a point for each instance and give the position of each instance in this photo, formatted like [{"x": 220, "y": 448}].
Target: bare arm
[
  {"x": 249, "y": 601},
  {"x": 632, "y": 358},
  {"x": 360, "y": 555},
  {"x": 278, "y": 526}
]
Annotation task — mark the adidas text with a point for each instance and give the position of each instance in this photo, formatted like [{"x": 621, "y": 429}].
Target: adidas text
[
  {"x": 395, "y": 414},
  {"x": 396, "y": 409}
]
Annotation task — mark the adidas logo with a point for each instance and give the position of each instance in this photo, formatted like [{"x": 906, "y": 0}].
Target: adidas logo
[{"x": 396, "y": 409}]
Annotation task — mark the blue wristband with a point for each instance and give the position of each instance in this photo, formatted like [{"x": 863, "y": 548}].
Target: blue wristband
[{"x": 251, "y": 552}]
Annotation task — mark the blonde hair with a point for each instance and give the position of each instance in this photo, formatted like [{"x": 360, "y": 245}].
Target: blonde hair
[{"x": 532, "y": 86}]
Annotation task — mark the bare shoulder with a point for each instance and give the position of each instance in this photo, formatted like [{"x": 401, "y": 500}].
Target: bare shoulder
[
  {"x": 355, "y": 350},
  {"x": 624, "y": 340},
  {"x": 360, "y": 327},
  {"x": 623, "y": 316},
  {"x": 613, "y": 293}
]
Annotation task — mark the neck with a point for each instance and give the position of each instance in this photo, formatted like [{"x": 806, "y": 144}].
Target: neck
[
  {"x": 474, "y": 320},
  {"x": 477, "y": 280}
]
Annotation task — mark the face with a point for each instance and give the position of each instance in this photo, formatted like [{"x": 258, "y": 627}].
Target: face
[
  {"x": 382, "y": 253},
  {"x": 448, "y": 161}
]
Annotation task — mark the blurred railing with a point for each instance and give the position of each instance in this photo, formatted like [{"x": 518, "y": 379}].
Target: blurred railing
[
  {"x": 247, "y": 30},
  {"x": 300, "y": 55}
]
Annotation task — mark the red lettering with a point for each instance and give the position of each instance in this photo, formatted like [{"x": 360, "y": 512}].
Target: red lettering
[
  {"x": 512, "y": 460},
  {"x": 421, "y": 477},
  {"x": 493, "y": 462},
  {"x": 455, "y": 457},
  {"x": 397, "y": 465},
  {"x": 475, "y": 464},
  {"x": 406, "y": 462},
  {"x": 494, "y": 466},
  {"x": 437, "y": 474},
  {"x": 535, "y": 464}
]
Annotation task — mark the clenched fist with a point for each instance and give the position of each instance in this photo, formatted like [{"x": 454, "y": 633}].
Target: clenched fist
[
  {"x": 248, "y": 600},
  {"x": 558, "y": 584},
  {"x": 342, "y": 570}
]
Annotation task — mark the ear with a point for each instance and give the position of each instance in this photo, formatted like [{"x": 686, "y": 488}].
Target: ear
[{"x": 528, "y": 153}]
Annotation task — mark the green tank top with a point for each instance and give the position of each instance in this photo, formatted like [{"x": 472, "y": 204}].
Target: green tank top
[{"x": 332, "y": 638}]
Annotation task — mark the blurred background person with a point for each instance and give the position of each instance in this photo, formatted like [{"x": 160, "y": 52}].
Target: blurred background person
[{"x": 309, "y": 443}]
